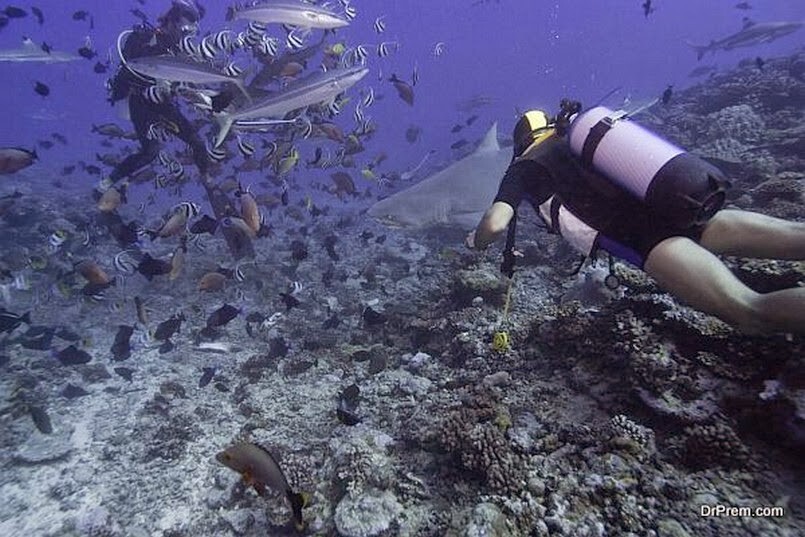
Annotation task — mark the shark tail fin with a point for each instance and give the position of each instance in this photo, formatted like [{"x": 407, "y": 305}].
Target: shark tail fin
[{"x": 225, "y": 122}]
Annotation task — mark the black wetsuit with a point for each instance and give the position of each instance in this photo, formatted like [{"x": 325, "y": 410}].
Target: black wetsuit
[
  {"x": 628, "y": 228},
  {"x": 148, "y": 41}
]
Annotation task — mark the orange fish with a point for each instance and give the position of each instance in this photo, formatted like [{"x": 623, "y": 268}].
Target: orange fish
[
  {"x": 92, "y": 272},
  {"x": 111, "y": 200},
  {"x": 13, "y": 159},
  {"x": 259, "y": 469},
  {"x": 249, "y": 210},
  {"x": 212, "y": 281}
]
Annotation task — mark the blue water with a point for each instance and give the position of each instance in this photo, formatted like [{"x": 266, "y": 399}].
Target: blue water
[
  {"x": 520, "y": 54},
  {"x": 511, "y": 54}
]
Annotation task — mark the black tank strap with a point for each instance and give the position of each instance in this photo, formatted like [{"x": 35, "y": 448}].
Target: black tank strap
[{"x": 593, "y": 139}]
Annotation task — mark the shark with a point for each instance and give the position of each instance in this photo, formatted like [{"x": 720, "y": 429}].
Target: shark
[
  {"x": 291, "y": 12},
  {"x": 30, "y": 52},
  {"x": 318, "y": 88},
  {"x": 180, "y": 69},
  {"x": 750, "y": 35},
  {"x": 456, "y": 196}
]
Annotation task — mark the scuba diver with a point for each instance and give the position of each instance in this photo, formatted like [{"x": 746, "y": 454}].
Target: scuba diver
[
  {"x": 604, "y": 183},
  {"x": 150, "y": 111},
  {"x": 147, "y": 110}
]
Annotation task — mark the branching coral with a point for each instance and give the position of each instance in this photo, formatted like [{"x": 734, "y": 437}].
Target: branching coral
[
  {"x": 711, "y": 445},
  {"x": 474, "y": 434}
]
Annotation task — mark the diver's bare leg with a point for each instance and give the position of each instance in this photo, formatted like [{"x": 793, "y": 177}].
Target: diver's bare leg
[
  {"x": 748, "y": 234},
  {"x": 699, "y": 278}
]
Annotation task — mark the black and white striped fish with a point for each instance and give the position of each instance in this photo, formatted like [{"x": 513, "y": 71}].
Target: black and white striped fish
[
  {"x": 239, "y": 41},
  {"x": 358, "y": 115},
  {"x": 415, "y": 75},
  {"x": 157, "y": 132},
  {"x": 294, "y": 42},
  {"x": 369, "y": 98},
  {"x": 269, "y": 46},
  {"x": 270, "y": 149},
  {"x": 123, "y": 263},
  {"x": 438, "y": 49},
  {"x": 222, "y": 41},
  {"x": 379, "y": 25},
  {"x": 233, "y": 70},
  {"x": 188, "y": 46},
  {"x": 360, "y": 54},
  {"x": 366, "y": 126},
  {"x": 207, "y": 48},
  {"x": 246, "y": 149},
  {"x": 252, "y": 40},
  {"x": 387, "y": 47},
  {"x": 238, "y": 273},
  {"x": 176, "y": 170},
  {"x": 164, "y": 159},
  {"x": 160, "y": 181},
  {"x": 255, "y": 28},
  {"x": 349, "y": 11},
  {"x": 154, "y": 95},
  {"x": 188, "y": 208},
  {"x": 334, "y": 108},
  {"x": 216, "y": 155}
]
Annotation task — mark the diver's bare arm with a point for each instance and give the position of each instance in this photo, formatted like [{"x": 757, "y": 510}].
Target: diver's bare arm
[{"x": 493, "y": 224}]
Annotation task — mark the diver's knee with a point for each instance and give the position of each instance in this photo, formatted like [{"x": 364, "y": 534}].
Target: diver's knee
[{"x": 749, "y": 317}]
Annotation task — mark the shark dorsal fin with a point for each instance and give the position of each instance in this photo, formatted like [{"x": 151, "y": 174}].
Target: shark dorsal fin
[{"x": 490, "y": 141}]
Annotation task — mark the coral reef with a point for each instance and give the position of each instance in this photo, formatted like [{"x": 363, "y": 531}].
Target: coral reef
[
  {"x": 366, "y": 513},
  {"x": 713, "y": 445},
  {"x": 621, "y": 417}
]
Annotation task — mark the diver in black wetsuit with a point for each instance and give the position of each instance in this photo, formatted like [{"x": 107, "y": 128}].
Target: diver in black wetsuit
[
  {"x": 145, "y": 40},
  {"x": 675, "y": 237}
]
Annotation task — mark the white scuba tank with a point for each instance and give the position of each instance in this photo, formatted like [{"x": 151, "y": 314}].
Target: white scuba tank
[{"x": 681, "y": 187}]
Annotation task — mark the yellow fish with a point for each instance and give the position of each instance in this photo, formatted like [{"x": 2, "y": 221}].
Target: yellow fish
[{"x": 288, "y": 162}]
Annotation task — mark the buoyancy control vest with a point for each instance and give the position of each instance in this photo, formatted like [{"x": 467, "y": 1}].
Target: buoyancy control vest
[{"x": 619, "y": 155}]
